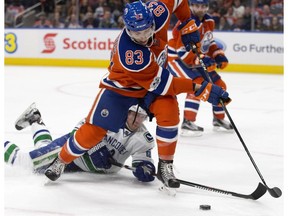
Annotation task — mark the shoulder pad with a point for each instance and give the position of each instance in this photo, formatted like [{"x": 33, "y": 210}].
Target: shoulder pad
[
  {"x": 133, "y": 56},
  {"x": 208, "y": 17},
  {"x": 160, "y": 12},
  {"x": 196, "y": 19}
]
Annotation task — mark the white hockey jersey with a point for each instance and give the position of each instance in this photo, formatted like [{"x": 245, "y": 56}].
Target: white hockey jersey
[{"x": 121, "y": 145}]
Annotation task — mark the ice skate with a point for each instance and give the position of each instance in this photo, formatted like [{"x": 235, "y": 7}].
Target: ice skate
[
  {"x": 165, "y": 174},
  {"x": 54, "y": 171},
  {"x": 189, "y": 128},
  {"x": 29, "y": 116},
  {"x": 222, "y": 125}
]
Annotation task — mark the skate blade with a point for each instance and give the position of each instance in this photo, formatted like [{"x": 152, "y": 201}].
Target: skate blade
[
  {"x": 18, "y": 124},
  {"x": 167, "y": 190},
  {"x": 222, "y": 129},
  {"x": 189, "y": 133},
  {"x": 48, "y": 182}
]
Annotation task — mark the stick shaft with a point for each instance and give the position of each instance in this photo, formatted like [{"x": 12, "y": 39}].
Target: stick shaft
[
  {"x": 260, "y": 190},
  {"x": 194, "y": 48}
]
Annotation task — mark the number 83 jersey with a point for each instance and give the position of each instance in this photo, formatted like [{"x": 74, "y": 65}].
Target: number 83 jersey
[{"x": 135, "y": 69}]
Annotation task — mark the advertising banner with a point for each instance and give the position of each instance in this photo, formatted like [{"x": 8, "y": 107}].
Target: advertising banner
[{"x": 251, "y": 52}]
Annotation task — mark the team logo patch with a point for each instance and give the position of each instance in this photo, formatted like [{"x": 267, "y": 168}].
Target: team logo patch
[
  {"x": 139, "y": 16},
  {"x": 148, "y": 153},
  {"x": 155, "y": 83},
  {"x": 161, "y": 60},
  {"x": 206, "y": 41},
  {"x": 148, "y": 137},
  {"x": 104, "y": 113}
]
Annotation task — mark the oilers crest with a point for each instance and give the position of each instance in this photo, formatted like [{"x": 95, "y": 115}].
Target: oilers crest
[
  {"x": 206, "y": 42},
  {"x": 162, "y": 58}
]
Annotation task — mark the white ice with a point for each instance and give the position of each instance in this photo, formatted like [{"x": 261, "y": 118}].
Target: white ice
[{"x": 64, "y": 96}]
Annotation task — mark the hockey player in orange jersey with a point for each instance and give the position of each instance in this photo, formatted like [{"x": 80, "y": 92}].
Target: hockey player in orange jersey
[
  {"x": 186, "y": 64},
  {"x": 136, "y": 75}
]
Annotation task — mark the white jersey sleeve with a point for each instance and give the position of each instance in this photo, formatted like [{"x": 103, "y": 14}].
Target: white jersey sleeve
[{"x": 142, "y": 144}]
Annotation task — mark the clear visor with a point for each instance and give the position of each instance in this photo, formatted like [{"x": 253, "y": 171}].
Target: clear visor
[{"x": 142, "y": 37}]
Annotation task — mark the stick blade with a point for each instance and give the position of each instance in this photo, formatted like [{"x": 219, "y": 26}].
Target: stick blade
[
  {"x": 275, "y": 192},
  {"x": 259, "y": 192}
]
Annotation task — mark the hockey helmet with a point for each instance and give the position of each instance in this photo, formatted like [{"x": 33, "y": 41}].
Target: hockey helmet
[
  {"x": 137, "y": 16},
  {"x": 199, "y": 2},
  {"x": 140, "y": 110}
]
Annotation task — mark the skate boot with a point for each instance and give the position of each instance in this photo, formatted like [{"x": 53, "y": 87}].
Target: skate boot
[
  {"x": 30, "y": 115},
  {"x": 189, "y": 128},
  {"x": 220, "y": 124},
  {"x": 56, "y": 168},
  {"x": 165, "y": 174}
]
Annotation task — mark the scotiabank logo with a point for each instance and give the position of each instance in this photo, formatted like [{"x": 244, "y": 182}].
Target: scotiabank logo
[
  {"x": 89, "y": 44},
  {"x": 49, "y": 43}
]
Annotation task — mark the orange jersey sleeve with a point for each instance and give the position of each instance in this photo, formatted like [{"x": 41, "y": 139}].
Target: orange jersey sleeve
[
  {"x": 162, "y": 11},
  {"x": 179, "y": 7}
]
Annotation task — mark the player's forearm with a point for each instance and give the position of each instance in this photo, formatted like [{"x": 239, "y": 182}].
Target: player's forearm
[{"x": 182, "y": 85}]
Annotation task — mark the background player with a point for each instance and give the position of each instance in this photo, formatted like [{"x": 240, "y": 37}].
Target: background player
[
  {"x": 135, "y": 74},
  {"x": 132, "y": 140},
  {"x": 186, "y": 64}
]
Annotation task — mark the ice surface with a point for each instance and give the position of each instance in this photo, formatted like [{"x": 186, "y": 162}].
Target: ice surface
[{"x": 64, "y": 96}]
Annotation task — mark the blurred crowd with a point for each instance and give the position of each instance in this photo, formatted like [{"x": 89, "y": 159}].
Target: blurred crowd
[{"x": 229, "y": 15}]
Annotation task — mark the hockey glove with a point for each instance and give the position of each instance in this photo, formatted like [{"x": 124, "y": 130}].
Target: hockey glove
[
  {"x": 212, "y": 93},
  {"x": 220, "y": 59},
  {"x": 209, "y": 63},
  {"x": 100, "y": 156},
  {"x": 144, "y": 171},
  {"x": 189, "y": 34}
]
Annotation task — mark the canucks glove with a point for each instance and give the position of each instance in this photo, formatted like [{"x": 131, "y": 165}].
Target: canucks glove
[
  {"x": 212, "y": 93},
  {"x": 189, "y": 34},
  {"x": 100, "y": 156},
  {"x": 144, "y": 171}
]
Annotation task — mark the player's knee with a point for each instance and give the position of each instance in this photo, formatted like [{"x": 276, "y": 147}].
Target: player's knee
[
  {"x": 169, "y": 117},
  {"x": 89, "y": 135},
  {"x": 166, "y": 111}
]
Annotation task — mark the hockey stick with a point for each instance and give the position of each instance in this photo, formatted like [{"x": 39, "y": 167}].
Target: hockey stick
[
  {"x": 259, "y": 192},
  {"x": 275, "y": 191}
]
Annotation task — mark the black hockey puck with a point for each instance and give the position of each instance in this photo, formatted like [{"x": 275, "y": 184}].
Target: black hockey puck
[{"x": 205, "y": 207}]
